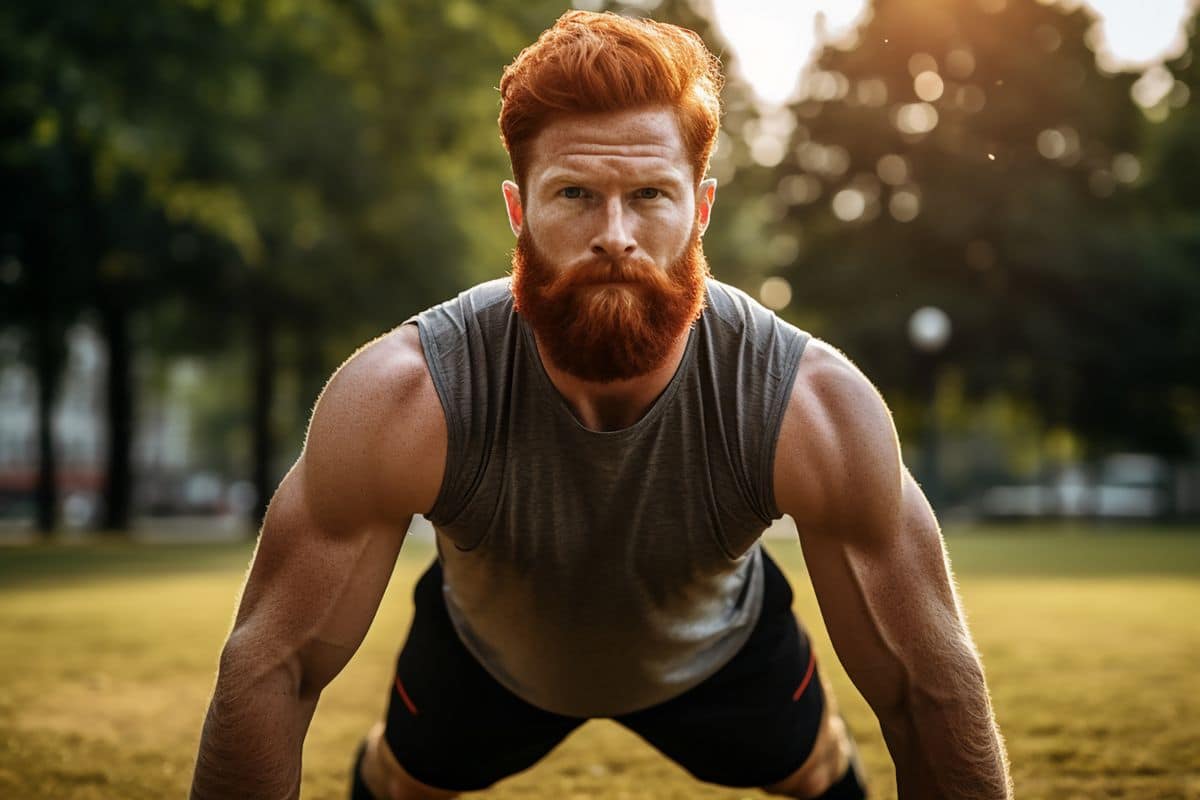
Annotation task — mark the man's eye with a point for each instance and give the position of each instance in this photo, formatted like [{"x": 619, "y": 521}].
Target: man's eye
[
  {"x": 648, "y": 194},
  {"x": 572, "y": 192}
]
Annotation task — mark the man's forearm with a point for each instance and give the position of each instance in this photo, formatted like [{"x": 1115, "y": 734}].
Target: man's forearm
[
  {"x": 946, "y": 744},
  {"x": 252, "y": 740}
]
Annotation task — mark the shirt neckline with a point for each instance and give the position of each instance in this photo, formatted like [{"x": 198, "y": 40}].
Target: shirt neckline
[{"x": 562, "y": 408}]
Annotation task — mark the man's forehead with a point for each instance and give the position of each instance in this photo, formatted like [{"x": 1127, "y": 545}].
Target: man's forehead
[{"x": 647, "y": 138}]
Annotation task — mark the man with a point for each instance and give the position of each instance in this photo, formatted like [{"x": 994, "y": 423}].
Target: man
[{"x": 599, "y": 444}]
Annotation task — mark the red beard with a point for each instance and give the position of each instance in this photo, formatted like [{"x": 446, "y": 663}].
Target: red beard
[{"x": 608, "y": 333}]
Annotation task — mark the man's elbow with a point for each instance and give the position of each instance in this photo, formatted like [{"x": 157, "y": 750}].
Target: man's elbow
[{"x": 249, "y": 666}]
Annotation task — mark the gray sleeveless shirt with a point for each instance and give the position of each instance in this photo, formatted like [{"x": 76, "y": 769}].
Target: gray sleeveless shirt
[{"x": 597, "y": 573}]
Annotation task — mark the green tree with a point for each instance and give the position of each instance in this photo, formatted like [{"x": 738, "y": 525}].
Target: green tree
[
  {"x": 120, "y": 117},
  {"x": 1168, "y": 207},
  {"x": 970, "y": 156},
  {"x": 374, "y": 191}
]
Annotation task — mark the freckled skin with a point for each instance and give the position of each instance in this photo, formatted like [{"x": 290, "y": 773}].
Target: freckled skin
[{"x": 376, "y": 451}]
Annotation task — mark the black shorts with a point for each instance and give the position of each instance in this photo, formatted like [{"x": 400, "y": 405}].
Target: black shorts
[{"x": 752, "y": 723}]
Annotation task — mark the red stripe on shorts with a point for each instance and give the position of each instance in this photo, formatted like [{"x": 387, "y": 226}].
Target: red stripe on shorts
[
  {"x": 404, "y": 696},
  {"x": 808, "y": 673}
]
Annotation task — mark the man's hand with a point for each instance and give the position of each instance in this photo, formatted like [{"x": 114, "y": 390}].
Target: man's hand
[
  {"x": 882, "y": 579},
  {"x": 374, "y": 456}
]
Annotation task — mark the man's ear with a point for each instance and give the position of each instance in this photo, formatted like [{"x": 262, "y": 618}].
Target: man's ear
[
  {"x": 512, "y": 202},
  {"x": 706, "y": 195}
]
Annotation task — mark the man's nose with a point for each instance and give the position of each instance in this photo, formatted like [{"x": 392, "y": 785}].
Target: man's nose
[{"x": 615, "y": 237}]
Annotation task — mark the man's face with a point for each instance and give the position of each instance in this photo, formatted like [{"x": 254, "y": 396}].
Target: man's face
[{"x": 608, "y": 268}]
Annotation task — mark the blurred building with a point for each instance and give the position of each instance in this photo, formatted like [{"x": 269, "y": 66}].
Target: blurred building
[
  {"x": 77, "y": 429},
  {"x": 1130, "y": 486},
  {"x": 166, "y": 482}
]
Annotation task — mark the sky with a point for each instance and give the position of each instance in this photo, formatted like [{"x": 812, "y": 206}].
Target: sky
[{"x": 775, "y": 40}]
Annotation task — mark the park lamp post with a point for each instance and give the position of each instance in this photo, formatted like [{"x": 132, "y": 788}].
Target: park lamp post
[{"x": 929, "y": 331}]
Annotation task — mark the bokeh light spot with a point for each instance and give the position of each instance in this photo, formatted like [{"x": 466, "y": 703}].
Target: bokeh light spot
[
  {"x": 871, "y": 92},
  {"x": 799, "y": 189},
  {"x": 776, "y": 42},
  {"x": 830, "y": 160},
  {"x": 1180, "y": 93},
  {"x": 960, "y": 63},
  {"x": 921, "y": 62},
  {"x": 904, "y": 205},
  {"x": 1153, "y": 87},
  {"x": 929, "y": 328},
  {"x": 1126, "y": 167},
  {"x": 1051, "y": 144},
  {"x": 1135, "y": 35},
  {"x": 775, "y": 293},
  {"x": 916, "y": 118},
  {"x": 849, "y": 205},
  {"x": 928, "y": 86},
  {"x": 767, "y": 150},
  {"x": 892, "y": 169},
  {"x": 1047, "y": 37}
]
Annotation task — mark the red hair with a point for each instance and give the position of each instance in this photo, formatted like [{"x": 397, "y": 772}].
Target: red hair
[{"x": 590, "y": 62}]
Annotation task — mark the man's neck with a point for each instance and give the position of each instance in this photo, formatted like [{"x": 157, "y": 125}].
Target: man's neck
[{"x": 618, "y": 404}]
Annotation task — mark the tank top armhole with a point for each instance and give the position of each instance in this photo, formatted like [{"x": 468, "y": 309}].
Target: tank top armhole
[
  {"x": 797, "y": 340},
  {"x": 437, "y": 514}
]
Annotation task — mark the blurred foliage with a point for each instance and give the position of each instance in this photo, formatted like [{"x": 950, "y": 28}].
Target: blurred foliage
[
  {"x": 280, "y": 177},
  {"x": 259, "y": 186},
  {"x": 970, "y": 156}
]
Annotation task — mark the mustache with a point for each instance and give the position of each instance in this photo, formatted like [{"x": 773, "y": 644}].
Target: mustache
[{"x": 601, "y": 269}]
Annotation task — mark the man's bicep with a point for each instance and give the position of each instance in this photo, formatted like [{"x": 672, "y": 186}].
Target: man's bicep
[
  {"x": 334, "y": 528},
  {"x": 312, "y": 591}
]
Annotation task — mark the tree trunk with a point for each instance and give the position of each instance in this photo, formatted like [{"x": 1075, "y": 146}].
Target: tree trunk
[
  {"x": 118, "y": 482},
  {"x": 263, "y": 329},
  {"x": 49, "y": 358}
]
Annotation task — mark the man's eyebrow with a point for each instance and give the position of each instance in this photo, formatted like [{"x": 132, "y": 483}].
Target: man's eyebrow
[{"x": 567, "y": 175}]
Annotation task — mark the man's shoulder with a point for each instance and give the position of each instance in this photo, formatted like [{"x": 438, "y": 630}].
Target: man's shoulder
[
  {"x": 379, "y": 418},
  {"x": 837, "y": 439},
  {"x": 391, "y": 366},
  {"x": 829, "y": 381}
]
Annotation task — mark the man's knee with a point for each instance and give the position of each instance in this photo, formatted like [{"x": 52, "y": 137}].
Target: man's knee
[{"x": 387, "y": 779}]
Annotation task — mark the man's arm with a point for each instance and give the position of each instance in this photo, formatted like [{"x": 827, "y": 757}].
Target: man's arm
[
  {"x": 882, "y": 579},
  {"x": 374, "y": 455}
]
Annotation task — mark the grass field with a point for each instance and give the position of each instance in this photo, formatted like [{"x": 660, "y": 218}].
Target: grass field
[{"x": 1091, "y": 642}]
